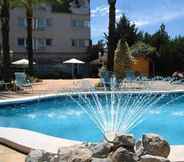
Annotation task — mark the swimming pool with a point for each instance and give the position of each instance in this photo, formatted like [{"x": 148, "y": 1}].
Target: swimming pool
[{"x": 62, "y": 117}]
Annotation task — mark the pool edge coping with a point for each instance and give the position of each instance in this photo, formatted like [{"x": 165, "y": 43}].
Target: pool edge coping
[
  {"x": 24, "y": 141},
  {"x": 4, "y": 102}
]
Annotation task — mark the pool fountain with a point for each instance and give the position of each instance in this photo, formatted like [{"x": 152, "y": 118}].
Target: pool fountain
[{"x": 118, "y": 107}]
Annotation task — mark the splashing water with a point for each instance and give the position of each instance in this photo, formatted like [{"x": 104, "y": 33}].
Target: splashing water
[{"x": 114, "y": 108}]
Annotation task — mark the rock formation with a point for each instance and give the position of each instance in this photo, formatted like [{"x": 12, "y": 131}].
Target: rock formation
[{"x": 151, "y": 148}]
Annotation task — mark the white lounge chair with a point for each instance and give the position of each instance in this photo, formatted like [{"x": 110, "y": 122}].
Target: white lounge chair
[{"x": 21, "y": 80}]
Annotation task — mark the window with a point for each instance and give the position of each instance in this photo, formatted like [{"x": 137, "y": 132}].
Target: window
[
  {"x": 41, "y": 43},
  {"x": 21, "y": 42},
  {"x": 41, "y": 24},
  {"x": 38, "y": 43},
  {"x": 86, "y": 24},
  {"x": 81, "y": 23},
  {"x": 49, "y": 22},
  {"x": 22, "y": 22},
  {"x": 74, "y": 43},
  {"x": 74, "y": 23},
  {"x": 37, "y": 23},
  {"x": 87, "y": 43},
  {"x": 80, "y": 43},
  {"x": 48, "y": 42},
  {"x": 42, "y": 7}
]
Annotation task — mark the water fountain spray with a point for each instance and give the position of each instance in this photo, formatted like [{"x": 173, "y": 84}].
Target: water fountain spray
[{"x": 117, "y": 109}]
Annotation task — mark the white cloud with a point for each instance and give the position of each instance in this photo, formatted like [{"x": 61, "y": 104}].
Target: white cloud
[
  {"x": 104, "y": 11},
  {"x": 118, "y": 14},
  {"x": 139, "y": 23},
  {"x": 100, "y": 11},
  {"x": 155, "y": 18}
]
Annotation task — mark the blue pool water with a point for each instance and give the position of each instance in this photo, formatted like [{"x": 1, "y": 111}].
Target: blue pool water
[{"x": 61, "y": 117}]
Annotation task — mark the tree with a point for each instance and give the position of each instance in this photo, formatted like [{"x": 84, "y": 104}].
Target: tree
[
  {"x": 5, "y": 18},
  {"x": 147, "y": 38},
  {"x": 161, "y": 41},
  {"x": 111, "y": 34},
  {"x": 95, "y": 50},
  {"x": 178, "y": 52},
  {"x": 29, "y": 16},
  {"x": 28, "y": 5},
  {"x": 160, "y": 38},
  {"x": 143, "y": 49},
  {"x": 171, "y": 57},
  {"x": 127, "y": 31},
  {"x": 122, "y": 60},
  {"x": 60, "y": 5}
]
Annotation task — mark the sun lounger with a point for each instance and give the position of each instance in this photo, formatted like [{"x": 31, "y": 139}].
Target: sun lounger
[{"x": 21, "y": 80}]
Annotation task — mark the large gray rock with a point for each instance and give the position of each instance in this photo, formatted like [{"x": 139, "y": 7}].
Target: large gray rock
[
  {"x": 34, "y": 156},
  {"x": 101, "y": 150},
  {"x": 151, "y": 158},
  {"x": 39, "y": 155},
  {"x": 124, "y": 140},
  {"x": 154, "y": 145},
  {"x": 139, "y": 149},
  {"x": 123, "y": 155},
  {"x": 78, "y": 153}
]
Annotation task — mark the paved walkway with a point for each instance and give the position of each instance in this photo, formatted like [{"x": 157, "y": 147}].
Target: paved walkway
[
  {"x": 48, "y": 87},
  {"x": 55, "y": 86},
  {"x": 10, "y": 155}
]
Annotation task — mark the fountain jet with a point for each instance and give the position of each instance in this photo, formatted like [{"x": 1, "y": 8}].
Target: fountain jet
[{"x": 118, "y": 107}]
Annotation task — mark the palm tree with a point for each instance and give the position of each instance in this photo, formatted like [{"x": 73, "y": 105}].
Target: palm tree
[
  {"x": 29, "y": 17},
  {"x": 28, "y": 5},
  {"x": 111, "y": 35},
  {"x": 5, "y": 17}
]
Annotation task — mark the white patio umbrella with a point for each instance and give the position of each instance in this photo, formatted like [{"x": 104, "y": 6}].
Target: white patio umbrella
[
  {"x": 24, "y": 62},
  {"x": 73, "y": 61}
]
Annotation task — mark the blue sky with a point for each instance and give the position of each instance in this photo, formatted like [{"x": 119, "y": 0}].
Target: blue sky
[{"x": 146, "y": 14}]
